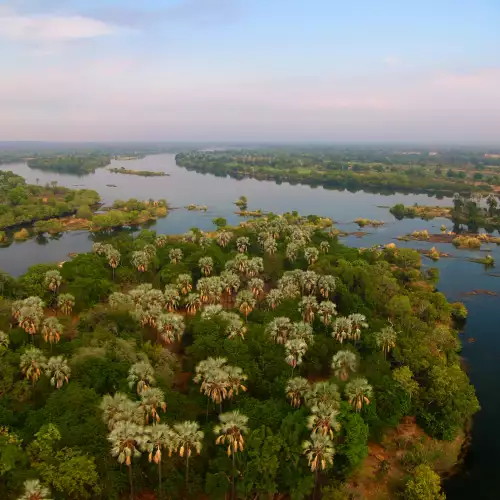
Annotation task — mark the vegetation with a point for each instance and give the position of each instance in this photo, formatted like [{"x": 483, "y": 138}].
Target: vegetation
[
  {"x": 141, "y": 173},
  {"x": 378, "y": 170},
  {"x": 223, "y": 364},
  {"x": 73, "y": 164}
]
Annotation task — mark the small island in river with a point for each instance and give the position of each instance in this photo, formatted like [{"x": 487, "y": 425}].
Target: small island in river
[{"x": 141, "y": 173}]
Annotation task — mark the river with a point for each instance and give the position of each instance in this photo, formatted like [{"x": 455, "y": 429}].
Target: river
[{"x": 457, "y": 275}]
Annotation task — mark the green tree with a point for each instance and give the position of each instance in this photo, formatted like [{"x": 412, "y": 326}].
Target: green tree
[
  {"x": 319, "y": 452},
  {"x": 358, "y": 392},
  {"x": 425, "y": 484},
  {"x": 32, "y": 364},
  {"x": 188, "y": 438},
  {"x": 57, "y": 371},
  {"x": 66, "y": 302},
  {"x": 343, "y": 363},
  {"x": 159, "y": 438},
  {"x": 142, "y": 376}
]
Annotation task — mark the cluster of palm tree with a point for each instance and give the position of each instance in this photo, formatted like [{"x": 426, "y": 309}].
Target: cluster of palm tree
[
  {"x": 29, "y": 314},
  {"x": 112, "y": 255},
  {"x": 33, "y": 363},
  {"x": 218, "y": 380},
  {"x": 349, "y": 328},
  {"x": 142, "y": 259}
]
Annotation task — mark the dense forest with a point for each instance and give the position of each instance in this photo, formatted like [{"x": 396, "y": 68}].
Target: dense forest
[
  {"x": 22, "y": 203},
  {"x": 71, "y": 164},
  {"x": 248, "y": 362},
  {"x": 352, "y": 169}
]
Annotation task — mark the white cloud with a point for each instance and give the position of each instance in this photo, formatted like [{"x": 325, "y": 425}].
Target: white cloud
[{"x": 51, "y": 28}]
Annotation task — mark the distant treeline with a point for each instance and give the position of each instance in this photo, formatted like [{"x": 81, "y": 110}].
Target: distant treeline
[{"x": 71, "y": 164}]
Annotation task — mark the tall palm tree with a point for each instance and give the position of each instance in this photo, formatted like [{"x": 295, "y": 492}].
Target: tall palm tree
[
  {"x": 280, "y": 329},
  {"x": 323, "y": 419},
  {"x": 342, "y": 329},
  {"x": 223, "y": 238},
  {"x": 171, "y": 298},
  {"x": 308, "y": 307},
  {"x": 159, "y": 438},
  {"x": 235, "y": 327},
  {"x": 296, "y": 389},
  {"x": 386, "y": 339},
  {"x": 319, "y": 452},
  {"x": 256, "y": 286},
  {"x": 327, "y": 285},
  {"x": 210, "y": 312},
  {"x": 303, "y": 331},
  {"x": 311, "y": 254},
  {"x": 242, "y": 244},
  {"x": 58, "y": 371},
  {"x": 141, "y": 376},
  {"x": 204, "y": 241},
  {"x": 65, "y": 303},
  {"x": 32, "y": 363},
  {"x": 188, "y": 438},
  {"x": 206, "y": 265},
  {"x": 30, "y": 317},
  {"x": 308, "y": 281},
  {"x": 190, "y": 237},
  {"x": 274, "y": 298},
  {"x": 53, "y": 280},
  {"x": 270, "y": 246},
  {"x": 152, "y": 400},
  {"x": 358, "y": 323},
  {"x": 33, "y": 490},
  {"x": 161, "y": 240},
  {"x": 323, "y": 392},
  {"x": 230, "y": 431},
  {"x": 119, "y": 408},
  {"x": 113, "y": 256},
  {"x": 344, "y": 362},
  {"x": 292, "y": 251},
  {"x": 239, "y": 264},
  {"x": 324, "y": 246},
  {"x": 192, "y": 303},
  {"x": 98, "y": 248},
  {"x": 358, "y": 392},
  {"x": 51, "y": 330},
  {"x": 295, "y": 350},
  {"x": 326, "y": 311},
  {"x": 254, "y": 267},
  {"x": 127, "y": 440},
  {"x": 203, "y": 287},
  {"x": 235, "y": 380},
  {"x": 212, "y": 375},
  {"x": 184, "y": 283},
  {"x": 230, "y": 282},
  {"x": 140, "y": 260},
  {"x": 175, "y": 255},
  {"x": 150, "y": 251},
  {"x": 245, "y": 302}
]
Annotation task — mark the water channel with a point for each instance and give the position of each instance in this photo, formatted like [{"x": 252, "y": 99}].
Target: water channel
[{"x": 457, "y": 275}]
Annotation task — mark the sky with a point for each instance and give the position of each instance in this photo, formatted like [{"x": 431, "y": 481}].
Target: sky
[{"x": 410, "y": 71}]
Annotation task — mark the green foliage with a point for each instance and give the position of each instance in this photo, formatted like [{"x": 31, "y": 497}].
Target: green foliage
[{"x": 424, "y": 485}]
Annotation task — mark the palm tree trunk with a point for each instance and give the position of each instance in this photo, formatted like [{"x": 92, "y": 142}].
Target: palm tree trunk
[
  {"x": 316, "y": 484},
  {"x": 131, "y": 482},
  {"x": 160, "y": 492},
  {"x": 187, "y": 468},
  {"x": 233, "y": 490}
]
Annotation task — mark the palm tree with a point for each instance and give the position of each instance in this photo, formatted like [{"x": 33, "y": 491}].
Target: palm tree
[
  {"x": 327, "y": 285},
  {"x": 120, "y": 301},
  {"x": 344, "y": 362},
  {"x": 235, "y": 379},
  {"x": 386, "y": 339},
  {"x": 291, "y": 252},
  {"x": 254, "y": 266},
  {"x": 203, "y": 287},
  {"x": 342, "y": 329},
  {"x": 230, "y": 282},
  {"x": 319, "y": 452},
  {"x": 159, "y": 438},
  {"x": 223, "y": 238},
  {"x": 238, "y": 264},
  {"x": 204, "y": 241},
  {"x": 127, "y": 439},
  {"x": 188, "y": 438},
  {"x": 53, "y": 280},
  {"x": 4, "y": 341},
  {"x": 192, "y": 303},
  {"x": 65, "y": 303},
  {"x": 288, "y": 286},
  {"x": 150, "y": 251},
  {"x": 33, "y": 490},
  {"x": 206, "y": 265},
  {"x": 308, "y": 281},
  {"x": 119, "y": 408},
  {"x": 295, "y": 349},
  {"x": 140, "y": 260},
  {"x": 190, "y": 237},
  {"x": 214, "y": 379},
  {"x": 311, "y": 254},
  {"x": 242, "y": 244},
  {"x": 358, "y": 322},
  {"x": 32, "y": 363},
  {"x": 280, "y": 329},
  {"x": 230, "y": 431},
  {"x": 171, "y": 327},
  {"x": 175, "y": 255},
  {"x": 30, "y": 317},
  {"x": 58, "y": 371},
  {"x": 358, "y": 392},
  {"x": 114, "y": 257},
  {"x": 308, "y": 307},
  {"x": 270, "y": 246},
  {"x": 303, "y": 331},
  {"x": 324, "y": 246},
  {"x": 323, "y": 419},
  {"x": 51, "y": 330},
  {"x": 184, "y": 283},
  {"x": 296, "y": 389},
  {"x": 274, "y": 298},
  {"x": 152, "y": 399},
  {"x": 235, "y": 327},
  {"x": 213, "y": 286},
  {"x": 326, "y": 311},
  {"x": 245, "y": 302},
  {"x": 142, "y": 375},
  {"x": 256, "y": 286},
  {"x": 323, "y": 392},
  {"x": 98, "y": 248},
  {"x": 171, "y": 298},
  {"x": 161, "y": 240}
]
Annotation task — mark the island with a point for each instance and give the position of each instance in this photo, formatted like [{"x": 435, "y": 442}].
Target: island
[
  {"x": 253, "y": 361},
  {"x": 142, "y": 173},
  {"x": 73, "y": 164}
]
